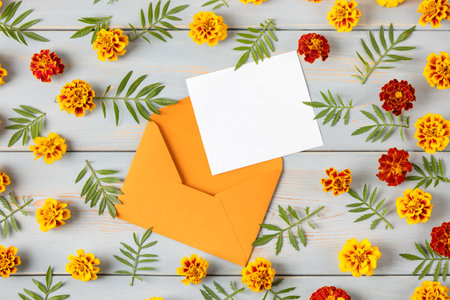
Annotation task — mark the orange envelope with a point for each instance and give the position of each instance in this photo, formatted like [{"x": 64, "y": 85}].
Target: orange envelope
[{"x": 169, "y": 186}]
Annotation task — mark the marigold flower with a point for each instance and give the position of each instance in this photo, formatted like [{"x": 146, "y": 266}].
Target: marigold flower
[
  {"x": 3, "y": 74},
  {"x": 338, "y": 182},
  {"x": 432, "y": 133},
  {"x": 52, "y": 214},
  {"x": 193, "y": 268},
  {"x": 83, "y": 266},
  {"x": 440, "y": 239},
  {"x": 110, "y": 44},
  {"x": 4, "y": 181},
  {"x": 437, "y": 70},
  {"x": 330, "y": 293},
  {"x": 8, "y": 261},
  {"x": 258, "y": 275},
  {"x": 393, "y": 166},
  {"x": 313, "y": 46},
  {"x": 208, "y": 27},
  {"x": 45, "y": 64},
  {"x": 415, "y": 206},
  {"x": 397, "y": 96},
  {"x": 344, "y": 15},
  {"x": 359, "y": 258},
  {"x": 155, "y": 298},
  {"x": 430, "y": 290},
  {"x": 315, "y": 1},
  {"x": 433, "y": 11},
  {"x": 255, "y": 2},
  {"x": 51, "y": 148},
  {"x": 76, "y": 97},
  {"x": 389, "y": 3}
]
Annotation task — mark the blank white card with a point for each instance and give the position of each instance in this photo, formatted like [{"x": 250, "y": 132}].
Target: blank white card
[{"x": 254, "y": 114}]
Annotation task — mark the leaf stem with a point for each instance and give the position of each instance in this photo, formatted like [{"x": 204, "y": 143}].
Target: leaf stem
[
  {"x": 376, "y": 212},
  {"x": 234, "y": 293},
  {"x": 135, "y": 263},
  {"x": 304, "y": 219},
  {"x": 19, "y": 208},
  {"x": 263, "y": 31},
  {"x": 147, "y": 29},
  {"x": 369, "y": 72},
  {"x": 97, "y": 180}
]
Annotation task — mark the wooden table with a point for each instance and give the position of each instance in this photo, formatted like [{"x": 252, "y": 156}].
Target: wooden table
[{"x": 108, "y": 146}]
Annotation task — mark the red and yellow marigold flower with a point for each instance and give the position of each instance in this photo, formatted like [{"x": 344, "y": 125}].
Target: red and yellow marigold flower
[
  {"x": 389, "y": 3},
  {"x": 4, "y": 181},
  {"x": 52, "y": 214},
  {"x": 394, "y": 166},
  {"x": 8, "y": 261},
  {"x": 397, "y": 95},
  {"x": 194, "y": 268},
  {"x": 432, "y": 133},
  {"x": 76, "y": 97},
  {"x": 359, "y": 258},
  {"x": 3, "y": 74},
  {"x": 437, "y": 70},
  {"x": 110, "y": 44},
  {"x": 51, "y": 148},
  {"x": 258, "y": 275},
  {"x": 255, "y": 2},
  {"x": 433, "y": 12},
  {"x": 313, "y": 46},
  {"x": 330, "y": 293},
  {"x": 83, "y": 266},
  {"x": 208, "y": 28},
  {"x": 344, "y": 15},
  {"x": 415, "y": 206},
  {"x": 430, "y": 290},
  {"x": 338, "y": 182},
  {"x": 440, "y": 239},
  {"x": 45, "y": 64}
]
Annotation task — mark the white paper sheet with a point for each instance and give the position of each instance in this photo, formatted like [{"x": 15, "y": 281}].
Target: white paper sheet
[{"x": 254, "y": 114}]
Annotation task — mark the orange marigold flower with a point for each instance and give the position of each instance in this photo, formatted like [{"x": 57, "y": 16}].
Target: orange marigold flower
[
  {"x": 4, "y": 181},
  {"x": 155, "y": 298},
  {"x": 433, "y": 12},
  {"x": 76, "y": 97},
  {"x": 430, "y": 290},
  {"x": 193, "y": 268},
  {"x": 330, "y": 293},
  {"x": 8, "y": 261},
  {"x": 110, "y": 44},
  {"x": 344, "y": 15},
  {"x": 393, "y": 166},
  {"x": 3, "y": 73},
  {"x": 338, "y": 182},
  {"x": 440, "y": 239},
  {"x": 397, "y": 96},
  {"x": 255, "y": 2},
  {"x": 437, "y": 70},
  {"x": 432, "y": 133},
  {"x": 313, "y": 46},
  {"x": 415, "y": 206},
  {"x": 45, "y": 64},
  {"x": 52, "y": 214},
  {"x": 258, "y": 275},
  {"x": 51, "y": 148},
  {"x": 358, "y": 258},
  {"x": 208, "y": 27},
  {"x": 389, "y": 3},
  {"x": 83, "y": 266}
]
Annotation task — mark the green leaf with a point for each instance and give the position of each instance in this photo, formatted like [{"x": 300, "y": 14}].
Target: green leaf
[
  {"x": 279, "y": 244},
  {"x": 264, "y": 239}
]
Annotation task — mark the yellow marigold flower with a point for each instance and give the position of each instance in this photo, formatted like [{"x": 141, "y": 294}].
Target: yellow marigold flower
[
  {"x": 432, "y": 133},
  {"x": 415, "y": 206},
  {"x": 389, "y": 3},
  {"x": 76, "y": 97},
  {"x": 437, "y": 70},
  {"x": 338, "y": 182},
  {"x": 257, "y": 2},
  {"x": 433, "y": 12},
  {"x": 155, "y": 298},
  {"x": 83, "y": 266},
  {"x": 258, "y": 275},
  {"x": 3, "y": 73},
  {"x": 52, "y": 214},
  {"x": 51, "y": 147},
  {"x": 193, "y": 268},
  {"x": 358, "y": 258},
  {"x": 8, "y": 261},
  {"x": 110, "y": 44},
  {"x": 208, "y": 27},
  {"x": 431, "y": 290},
  {"x": 4, "y": 181},
  {"x": 344, "y": 15}
]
